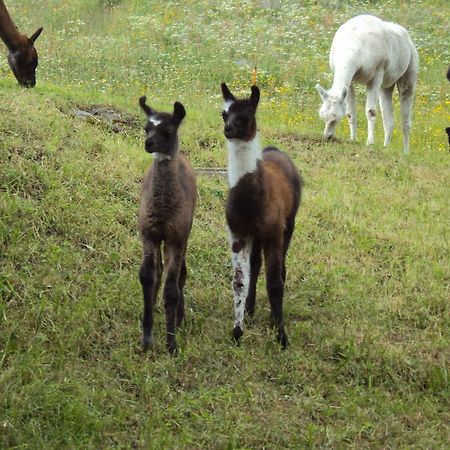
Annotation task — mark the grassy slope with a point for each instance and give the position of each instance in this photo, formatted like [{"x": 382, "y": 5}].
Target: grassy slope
[{"x": 368, "y": 277}]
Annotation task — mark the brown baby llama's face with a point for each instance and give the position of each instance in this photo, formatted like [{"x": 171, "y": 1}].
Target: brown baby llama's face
[
  {"x": 161, "y": 133},
  {"x": 162, "y": 128},
  {"x": 239, "y": 115}
]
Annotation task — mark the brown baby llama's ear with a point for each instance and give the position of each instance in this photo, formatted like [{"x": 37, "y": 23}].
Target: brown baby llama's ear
[
  {"x": 178, "y": 113},
  {"x": 254, "y": 98},
  {"x": 227, "y": 95},
  {"x": 143, "y": 103},
  {"x": 35, "y": 35}
]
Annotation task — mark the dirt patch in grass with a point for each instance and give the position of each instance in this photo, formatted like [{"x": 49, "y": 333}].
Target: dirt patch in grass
[
  {"x": 106, "y": 116},
  {"x": 309, "y": 142}
]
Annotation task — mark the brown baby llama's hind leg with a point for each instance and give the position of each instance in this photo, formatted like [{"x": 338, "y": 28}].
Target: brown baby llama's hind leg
[
  {"x": 174, "y": 258},
  {"x": 181, "y": 283},
  {"x": 273, "y": 255}
]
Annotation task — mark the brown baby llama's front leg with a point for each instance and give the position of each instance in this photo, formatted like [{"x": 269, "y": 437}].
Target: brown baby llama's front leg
[
  {"x": 150, "y": 277},
  {"x": 255, "y": 268}
]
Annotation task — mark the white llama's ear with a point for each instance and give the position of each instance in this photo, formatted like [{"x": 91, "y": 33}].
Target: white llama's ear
[
  {"x": 323, "y": 93},
  {"x": 344, "y": 94}
]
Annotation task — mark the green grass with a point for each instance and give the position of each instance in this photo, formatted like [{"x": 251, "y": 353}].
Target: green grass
[{"x": 367, "y": 297}]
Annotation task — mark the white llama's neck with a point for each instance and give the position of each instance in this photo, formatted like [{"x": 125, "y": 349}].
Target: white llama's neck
[
  {"x": 343, "y": 75},
  {"x": 243, "y": 158}
]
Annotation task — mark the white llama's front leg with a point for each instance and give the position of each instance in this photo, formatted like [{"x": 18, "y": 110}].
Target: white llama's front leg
[
  {"x": 373, "y": 91},
  {"x": 351, "y": 111},
  {"x": 387, "y": 113},
  {"x": 241, "y": 250}
]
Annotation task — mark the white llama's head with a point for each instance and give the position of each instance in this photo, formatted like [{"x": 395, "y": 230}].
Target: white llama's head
[{"x": 332, "y": 110}]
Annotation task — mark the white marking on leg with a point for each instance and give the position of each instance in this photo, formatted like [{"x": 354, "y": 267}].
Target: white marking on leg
[{"x": 241, "y": 278}]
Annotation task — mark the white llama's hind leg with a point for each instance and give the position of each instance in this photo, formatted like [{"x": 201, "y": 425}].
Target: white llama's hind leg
[
  {"x": 373, "y": 92},
  {"x": 406, "y": 90},
  {"x": 351, "y": 111},
  {"x": 387, "y": 113}
]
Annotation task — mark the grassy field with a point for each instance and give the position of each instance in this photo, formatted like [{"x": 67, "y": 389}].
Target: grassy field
[{"x": 367, "y": 297}]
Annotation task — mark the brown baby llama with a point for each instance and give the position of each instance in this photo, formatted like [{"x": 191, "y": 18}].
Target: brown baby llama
[
  {"x": 263, "y": 198},
  {"x": 167, "y": 208}
]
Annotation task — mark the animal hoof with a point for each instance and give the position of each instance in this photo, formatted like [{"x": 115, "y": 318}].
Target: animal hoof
[
  {"x": 172, "y": 349},
  {"x": 179, "y": 321},
  {"x": 250, "y": 312},
  {"x": 272, "y": 322},
  {"x": 147, "y": 342},
  {"x": 237, "y": 334},
  {"x": 283, "y": 339}
]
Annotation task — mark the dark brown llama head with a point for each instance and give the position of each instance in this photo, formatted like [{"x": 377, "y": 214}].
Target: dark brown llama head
[
  {"x": 239, "y": 115},
  {"x": 23, "y": 60},
  {"x": 162, "y": 128}
]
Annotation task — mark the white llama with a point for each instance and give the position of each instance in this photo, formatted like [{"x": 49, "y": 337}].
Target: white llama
[{"x": 380, "y": 55}]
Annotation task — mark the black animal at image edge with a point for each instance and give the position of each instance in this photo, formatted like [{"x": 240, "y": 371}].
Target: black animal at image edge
[{"x": 448, "y": 128}]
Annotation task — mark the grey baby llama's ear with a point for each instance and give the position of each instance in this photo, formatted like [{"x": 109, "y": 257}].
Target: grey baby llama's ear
[
  {"x": 178, "y": 112},
  {"x": 143, "y": 103}
]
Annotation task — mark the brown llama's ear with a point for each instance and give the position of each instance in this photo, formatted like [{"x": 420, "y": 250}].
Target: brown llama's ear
[
  {"x": 178, "y": 113},
  {"x": 35, "y": 35},
  {"x": 149, "y": 111},
  {"x": 227, "y": 95},
  {"x": 254, "y": 98}
]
